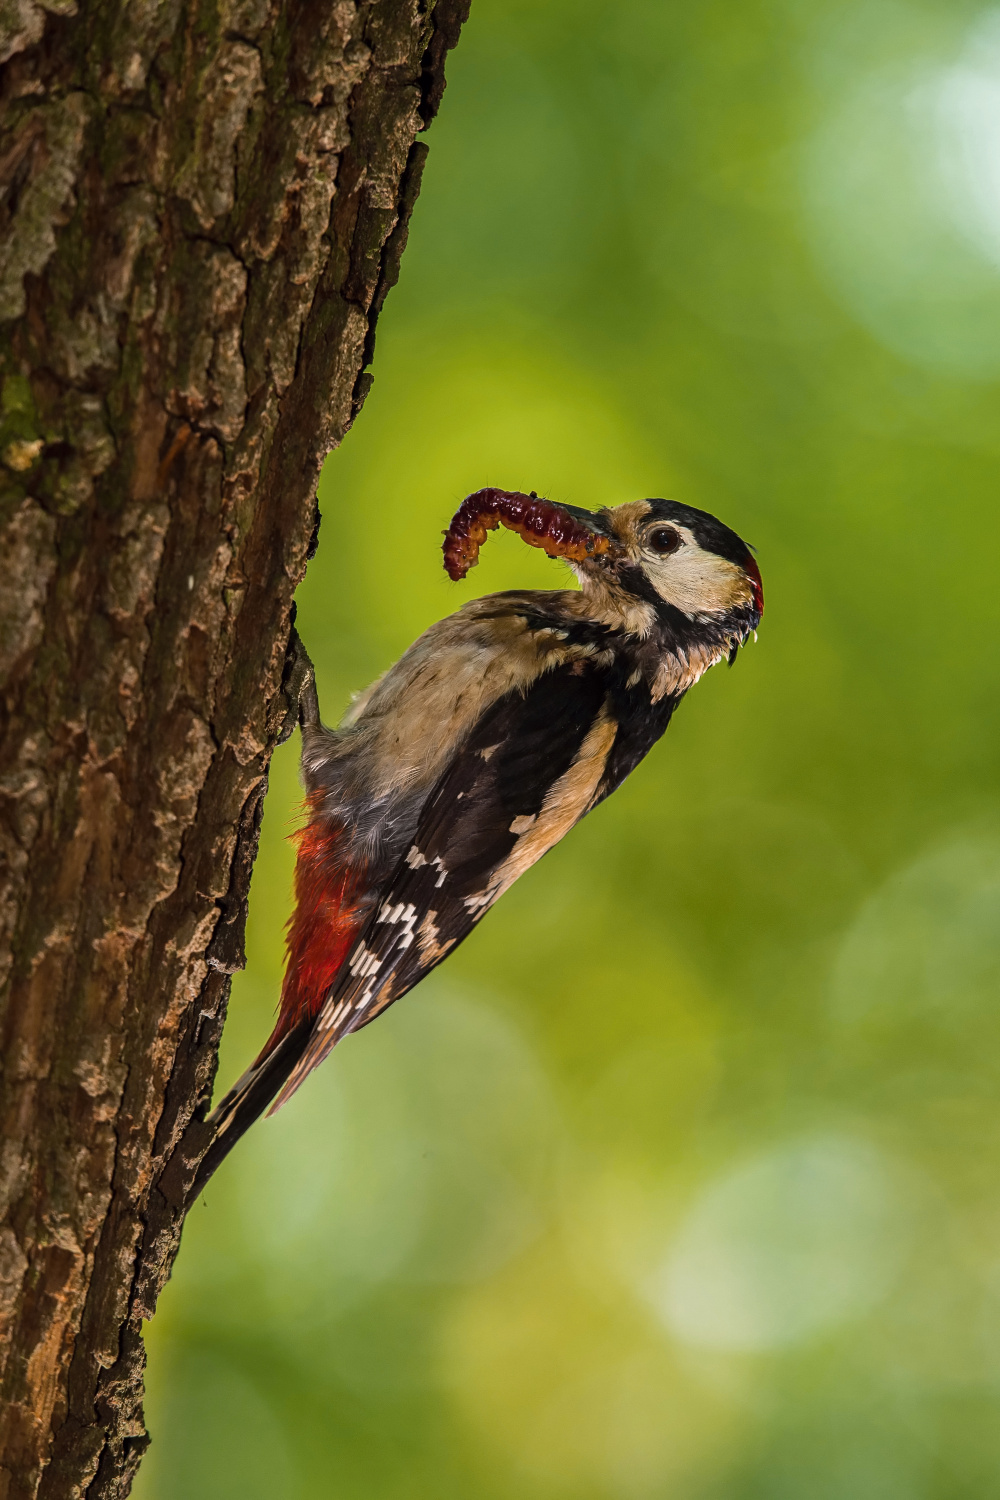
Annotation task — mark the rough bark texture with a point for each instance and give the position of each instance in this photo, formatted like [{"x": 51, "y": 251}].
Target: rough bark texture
[{"x": 202, "y": 206}]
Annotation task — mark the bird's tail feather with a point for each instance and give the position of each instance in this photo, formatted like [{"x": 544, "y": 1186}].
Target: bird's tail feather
[{"x": 248, "y": 1098}]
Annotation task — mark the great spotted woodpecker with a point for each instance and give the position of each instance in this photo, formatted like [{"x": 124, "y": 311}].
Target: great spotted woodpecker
[{"x": 487, "y": 741}]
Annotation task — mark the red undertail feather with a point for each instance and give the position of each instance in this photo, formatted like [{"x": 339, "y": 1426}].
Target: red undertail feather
[{"x": 322, "y": 927}]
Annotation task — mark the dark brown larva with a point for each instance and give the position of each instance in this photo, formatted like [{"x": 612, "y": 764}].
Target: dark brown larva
[{"x": 540, "y": 522}]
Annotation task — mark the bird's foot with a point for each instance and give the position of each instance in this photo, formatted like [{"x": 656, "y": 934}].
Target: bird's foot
[{"x": 298, "y": 688}]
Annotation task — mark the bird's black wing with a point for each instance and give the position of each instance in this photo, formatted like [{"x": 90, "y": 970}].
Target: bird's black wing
[
  {"x": 527, "y": 772},
  {"x": 641, "y": 722}
]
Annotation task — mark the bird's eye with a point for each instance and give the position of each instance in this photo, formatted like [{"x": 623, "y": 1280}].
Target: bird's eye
[{"x": 664, "y": 539}]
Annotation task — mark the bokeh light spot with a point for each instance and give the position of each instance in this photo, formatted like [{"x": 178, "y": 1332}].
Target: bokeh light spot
[{"x": 783, "y": 1247}]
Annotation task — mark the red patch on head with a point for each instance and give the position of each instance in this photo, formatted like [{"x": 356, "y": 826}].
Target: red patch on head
[{"x": 752, "y": 571}]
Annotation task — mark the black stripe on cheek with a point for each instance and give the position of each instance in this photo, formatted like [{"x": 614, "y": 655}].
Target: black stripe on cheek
[
  {"x": 633, "y": 581},
  {"x": 682, "y": 628}
]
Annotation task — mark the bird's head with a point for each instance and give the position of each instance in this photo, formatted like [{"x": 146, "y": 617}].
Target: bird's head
[
  {"x": 640, "y": 561},
  {"x": 675, "y": 558}
]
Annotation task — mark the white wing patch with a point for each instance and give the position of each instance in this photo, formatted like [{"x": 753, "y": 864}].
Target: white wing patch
[
  {"x": 365, "y": 965},
  {"x": 416, "y": 861},
  {"x": 405, "y": 913},
  {"x": 432, "y": 950},
  {"x": 325, "y": 1021}
]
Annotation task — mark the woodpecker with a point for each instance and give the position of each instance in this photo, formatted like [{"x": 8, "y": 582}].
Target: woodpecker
[{"x": 496, "y": 732}]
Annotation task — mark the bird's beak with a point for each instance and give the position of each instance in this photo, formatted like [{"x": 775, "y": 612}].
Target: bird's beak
[{"x": 560, "y": 530}]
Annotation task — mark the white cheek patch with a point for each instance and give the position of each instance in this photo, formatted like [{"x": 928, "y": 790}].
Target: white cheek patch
[{"x": 698, "y": 582}]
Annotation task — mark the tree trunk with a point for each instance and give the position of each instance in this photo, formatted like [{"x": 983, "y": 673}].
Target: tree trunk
[{"x": 203, "y": 206}]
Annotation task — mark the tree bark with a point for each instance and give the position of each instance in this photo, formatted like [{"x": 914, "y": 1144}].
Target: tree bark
[{"x": 203, "y": 206}]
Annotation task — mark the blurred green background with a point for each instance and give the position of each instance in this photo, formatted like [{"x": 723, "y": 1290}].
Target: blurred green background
[{"x": 680, "y": 1180}]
